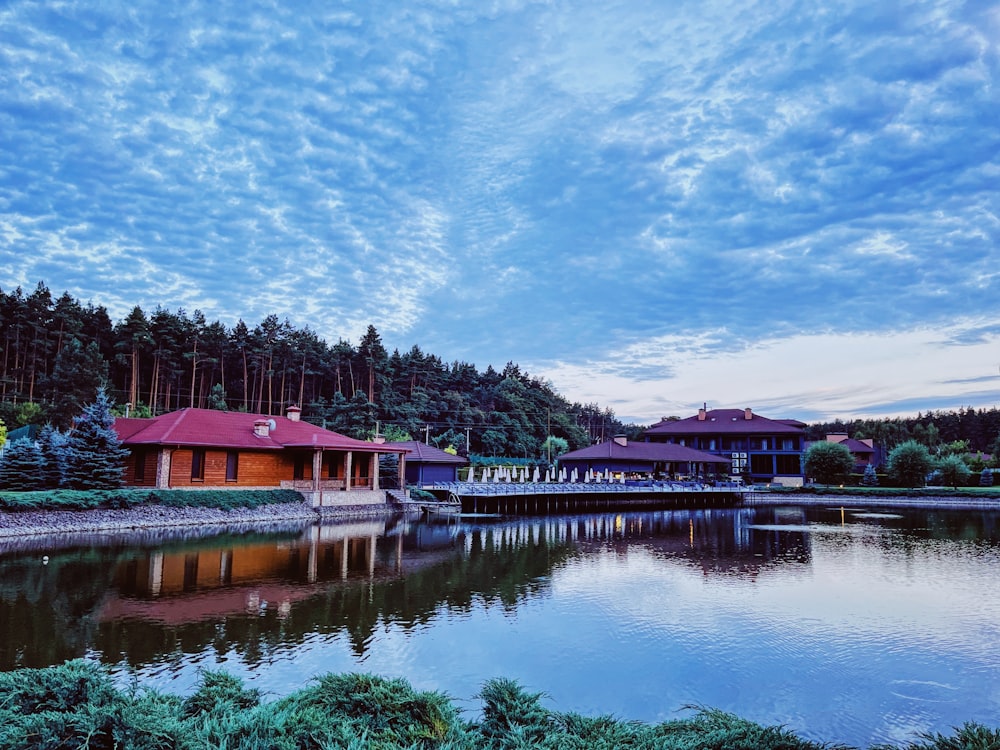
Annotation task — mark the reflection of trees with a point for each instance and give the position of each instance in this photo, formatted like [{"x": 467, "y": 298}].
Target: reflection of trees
[
  {"x": 403, "y": 575},
  {"x": 479, "y": 566},
  {"x": 46, "y": 610}
]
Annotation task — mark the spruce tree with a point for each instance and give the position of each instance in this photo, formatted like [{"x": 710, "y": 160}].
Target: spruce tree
[
  {"x": 94, "y": 453},
  {"x": 986, "y": 478},
  {"x": 870, "y": 479},
  {"x": 52, "y": 444},
  {"x": 21, "y": 466}
]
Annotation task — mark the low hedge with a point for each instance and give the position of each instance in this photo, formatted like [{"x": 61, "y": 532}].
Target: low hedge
[
  {"x": 76, "y": 705},
  {"x": 131, "y": 498}
]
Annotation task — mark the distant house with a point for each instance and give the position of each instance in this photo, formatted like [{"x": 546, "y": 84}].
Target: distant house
[
  {"x": 760, "y": 449},
  {"x": 863, "y": 451},
  {"x": 426, "y": 464},
  {"x": 619, "y": 455},
  {"x": 204, "y": 448}
]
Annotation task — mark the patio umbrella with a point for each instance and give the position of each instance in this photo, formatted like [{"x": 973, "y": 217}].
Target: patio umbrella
[
  {"x": 536, "y": 475},
  {"x": 586, "y": 477},
  {"x": 573, "y": 476},
  {"x": 486, "y": 474}
]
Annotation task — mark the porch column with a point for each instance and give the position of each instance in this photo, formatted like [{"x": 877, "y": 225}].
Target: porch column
[
  {"x": 317, "y": 470},
  {"x": 375, "y": 457},
  {"x": 402, "y": 471},
  {"x": 163, "y": 468},
  {"x": 348, "y": 469}
]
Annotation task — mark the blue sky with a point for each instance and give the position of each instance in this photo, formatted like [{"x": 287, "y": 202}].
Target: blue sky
[{"x": 782, "y": 205}]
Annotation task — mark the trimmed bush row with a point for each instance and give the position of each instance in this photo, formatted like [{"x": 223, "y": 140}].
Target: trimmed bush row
[
  {"x": 131, "y": 498},
  {"x": 76, "y": 705}
]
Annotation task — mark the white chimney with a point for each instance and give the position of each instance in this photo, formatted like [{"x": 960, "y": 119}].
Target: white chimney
[
  {"x": 747, "y": 413},
  {"x": 293, "y": 413},
  {"x": 620, "y": 440},
  {"x": 261, "y": 427},
  {"x": 702, "y": 413}
]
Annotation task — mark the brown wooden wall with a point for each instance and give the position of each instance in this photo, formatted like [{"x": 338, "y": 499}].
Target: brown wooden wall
[{"x": 256, "y": 468}]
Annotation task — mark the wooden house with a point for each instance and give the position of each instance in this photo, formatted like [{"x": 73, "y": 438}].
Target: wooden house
[
  {"x": 204, "y": 448},
  {"x": 426, "y": 464},
  {"x": 759, "y": 449}
]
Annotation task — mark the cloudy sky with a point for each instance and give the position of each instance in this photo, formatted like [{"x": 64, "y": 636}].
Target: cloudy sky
[{"x": 791, "y": 206}]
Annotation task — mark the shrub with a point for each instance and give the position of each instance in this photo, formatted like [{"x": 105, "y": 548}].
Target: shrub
[
  {"x": 953, "y": 471},
  {"x": 986, "y": 478},
  {"x": 910, "y": 463},
  {"x": 828, "y": 463}
]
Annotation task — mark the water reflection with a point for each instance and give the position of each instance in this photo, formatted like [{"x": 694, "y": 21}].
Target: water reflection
[{"x": 809, "y": 602}]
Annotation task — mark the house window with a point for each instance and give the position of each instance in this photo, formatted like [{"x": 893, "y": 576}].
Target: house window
[
  {"x": 140, "y": 466},
  {"x": 198, "y": 465},
  {"x": 232, "y": 465},
  {"x": 763, "y": 444},
  {"x": 787, "y": 444},
  {"x": 711, "y": 444}
]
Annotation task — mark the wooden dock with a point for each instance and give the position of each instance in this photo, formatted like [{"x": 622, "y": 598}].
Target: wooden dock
[{"x": 555, "y": 497}]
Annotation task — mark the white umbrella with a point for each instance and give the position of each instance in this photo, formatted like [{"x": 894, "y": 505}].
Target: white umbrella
[
  {"x": 524, "y": 474},
  {"x": 536, "y": 475},
  {"x": 573, "y": 477},
  {"x": 562, "y": 474},
  {"x": 486, "y": 474},
  {"x": 607, "y": 475},
  {"x": 586, "y": 477},
  {"x": 548, "y": 475}
]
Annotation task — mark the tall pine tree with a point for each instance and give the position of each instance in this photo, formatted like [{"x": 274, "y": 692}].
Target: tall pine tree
[{"x": 94, "y": 453}]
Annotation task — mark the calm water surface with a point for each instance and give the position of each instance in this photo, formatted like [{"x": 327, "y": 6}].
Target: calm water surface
[{"x": 844, "y": 624}]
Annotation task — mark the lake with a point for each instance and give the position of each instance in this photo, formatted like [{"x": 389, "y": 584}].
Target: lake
[{"x": 845, "y": 624}]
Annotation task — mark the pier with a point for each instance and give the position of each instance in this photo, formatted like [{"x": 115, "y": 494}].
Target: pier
[{"x": 560, "y": 497}]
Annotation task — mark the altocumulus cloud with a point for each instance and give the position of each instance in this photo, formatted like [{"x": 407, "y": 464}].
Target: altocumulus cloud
[{"x": 656, "y": 196}]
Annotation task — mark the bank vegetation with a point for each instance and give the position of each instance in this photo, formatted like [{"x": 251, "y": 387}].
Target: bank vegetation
[{"x": 77, "y": 706}]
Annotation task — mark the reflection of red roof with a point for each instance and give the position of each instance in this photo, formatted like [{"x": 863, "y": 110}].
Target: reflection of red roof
[
  {"x": 731, "y": 421},
  {"x": 666, "y": 452},
  {"x": 422, "y": 453},
  {"x": 229, "y": 429},
  {"x": 207, "y": 605}
]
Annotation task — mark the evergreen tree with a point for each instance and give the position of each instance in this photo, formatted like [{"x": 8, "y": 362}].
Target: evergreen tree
[
  {"x": 986, "y": 478},
  {"x": 870, "y": 479},
  {"x": 21, "y": 466},
  {"x": 78, "y": 372},
  {"x": 94, "y": 454},
  {"x": 52, "y": 445}
]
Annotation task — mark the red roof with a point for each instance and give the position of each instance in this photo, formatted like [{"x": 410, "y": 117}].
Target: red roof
[
  {"x": 418, "y": 452},
  {"x": 727, "y": 421},
  {"x": 652, "y": 452},
  {"x": 229, "y": 429}
]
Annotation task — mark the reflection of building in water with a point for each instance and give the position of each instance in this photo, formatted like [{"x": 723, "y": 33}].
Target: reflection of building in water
[
  {"x": 722, "y": 541},
  {"x": 214, "y": 581}
]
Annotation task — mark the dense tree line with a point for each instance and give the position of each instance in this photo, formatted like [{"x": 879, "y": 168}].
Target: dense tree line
[
  {"x": 939, "y": 431},
  {"x": 56, "y": 353}
]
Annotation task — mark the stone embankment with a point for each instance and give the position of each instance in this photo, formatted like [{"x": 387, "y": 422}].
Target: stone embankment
[{"x": 943, "y": 502}]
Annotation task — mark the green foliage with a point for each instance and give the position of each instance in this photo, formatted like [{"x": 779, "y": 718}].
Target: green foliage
[
  {"x": 3, "y": 433},
  {"x": 76, "y": 705},
  {"x": 954, "y": 471},
  {"x": 94, "y": 453},
  {"x": 870, "y": 478},
  {"x": 20, "y": 466},
  {"x": 986, "y": 478},
  {"x": 909, "y": 464},
  {"x": 64, "y": 499},
  {"x": 554, "y": 447},
  {"x": 827, "y": 462},
  {"x": 29, "y": 413}
]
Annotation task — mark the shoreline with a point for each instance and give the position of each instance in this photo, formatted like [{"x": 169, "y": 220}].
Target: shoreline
[{"x": 46, "y": 524}]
